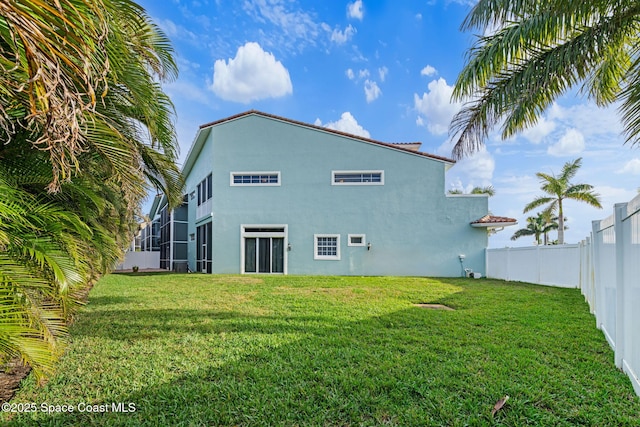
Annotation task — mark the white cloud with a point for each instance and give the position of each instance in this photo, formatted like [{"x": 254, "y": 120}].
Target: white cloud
[
  {"x": 347, "y": 124},
  {"x": 382, "y": 72},
  {"x": 538, "y": 132},
  {"x": 589, "y": 118},
  {"x": 428, "y": 71},
  {"x": 609, "y": 196},
  {"x": 519, "y": 187},
  {"x": 341, "y": 37},
  {"x": 354, "y": 10},
  {"x": 632, "y": 167},
  {"x": 371, "y": 90},
  {"x": 350, "y": 74},
  {"x": 478, "y": 167},
  {"x": 363, "y": 74},
  {"x": 436, "y": 107},
  {"x": 252, "y": 75},
  {"x": 189, "y": 91},
  {"x": 177, "y": 32},
  {"x": 571, "y": 143},
  {"x": 295, "y": 29},
  {"x": 475, "y": 170}
]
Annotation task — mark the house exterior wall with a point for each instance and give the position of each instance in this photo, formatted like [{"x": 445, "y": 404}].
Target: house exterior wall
[{"x": 412, "y": 226}]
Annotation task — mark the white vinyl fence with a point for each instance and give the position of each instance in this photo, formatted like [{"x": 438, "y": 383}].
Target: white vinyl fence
[
  {"x": 606, "y": 268},
  {"x": 544, "y": 265},
  {"x": 144, "y": 260}
]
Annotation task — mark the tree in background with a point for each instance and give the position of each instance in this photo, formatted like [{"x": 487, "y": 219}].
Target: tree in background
[
  {"x": 488, "y": 190},
  {"x": 532, "y": 52},
  {"x": 86, "y": 130},
  {"x": 559, "y": 189},
  {"x": 538, "y": 226}
]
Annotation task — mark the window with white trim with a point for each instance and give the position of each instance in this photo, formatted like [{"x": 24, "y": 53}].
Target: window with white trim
[
  {"x": 326, "y": 246},
  {"x": 255, "y": 178},
  {"x": 357, "y": 240},
  {"x": 357, "y": 177}
]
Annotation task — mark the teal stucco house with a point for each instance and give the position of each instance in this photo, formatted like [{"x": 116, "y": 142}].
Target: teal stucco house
[{"x": 265, "y": 194}]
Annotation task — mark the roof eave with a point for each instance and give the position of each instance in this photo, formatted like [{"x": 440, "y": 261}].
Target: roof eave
[
  {"x": 493, "y": 224},
  {"x": 194, "y": 150}
]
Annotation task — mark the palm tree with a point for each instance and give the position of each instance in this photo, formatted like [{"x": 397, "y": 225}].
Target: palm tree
[
  {"x": 85, "y": 130},
  {"x": 79, "y": 78},
  {"x": 535, "y": 228},
  {"x": 488, "y": 190},
  {"x": 560, "y": 188},
  {"x": 551, "y": 223},
  {"x": 538, "y": 226},
  {"x": 532, "y": 52}
]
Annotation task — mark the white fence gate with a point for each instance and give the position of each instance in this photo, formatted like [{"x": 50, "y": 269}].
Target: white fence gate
[{"x": 606, "y": 268}]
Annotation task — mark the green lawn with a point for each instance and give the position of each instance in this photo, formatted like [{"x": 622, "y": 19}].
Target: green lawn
[{"x": 207, "y": 350}]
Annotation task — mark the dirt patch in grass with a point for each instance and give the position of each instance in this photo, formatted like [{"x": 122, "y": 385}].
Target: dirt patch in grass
[
  {"x": 10, "y": 379},
  {"x": 434, "y": 306}
]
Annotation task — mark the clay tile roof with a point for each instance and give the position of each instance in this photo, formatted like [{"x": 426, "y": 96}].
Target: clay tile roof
[{"x": 491, "y": 219}]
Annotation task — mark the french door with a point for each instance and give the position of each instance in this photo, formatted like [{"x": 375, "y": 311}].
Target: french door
[
  {"x": 203, "y": 248},
  {"x": 263, "y": 249},
  {"x": 264, "y": 255}
]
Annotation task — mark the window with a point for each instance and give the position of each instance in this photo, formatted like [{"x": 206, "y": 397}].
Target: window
[
  {"x": 326, "y": 246},
  {"x": 357, "y": 240},
  {"x": 357, "y": 177},
  {"x": 255, "y": 178},
  {"x": 204, "y": 190},
  {"x": 203, "y": 248}
]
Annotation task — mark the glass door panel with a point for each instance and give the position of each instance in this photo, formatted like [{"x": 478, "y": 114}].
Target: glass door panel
[
  {"x": 250, "y": 252},
  {"x": 264, "y": 254},
  {"x": 277, "y": 257}
]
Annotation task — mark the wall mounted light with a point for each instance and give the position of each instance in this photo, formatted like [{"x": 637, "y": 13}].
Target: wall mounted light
[
  {"x": 289, "y": 246},
  {"x": 369, "y": 246}
]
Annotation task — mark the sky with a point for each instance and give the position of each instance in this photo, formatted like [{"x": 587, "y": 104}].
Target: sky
[{"x": 384, "y": 70}]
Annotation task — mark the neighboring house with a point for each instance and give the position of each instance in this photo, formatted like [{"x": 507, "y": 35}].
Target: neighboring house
[{"x": 265, "y": 194}]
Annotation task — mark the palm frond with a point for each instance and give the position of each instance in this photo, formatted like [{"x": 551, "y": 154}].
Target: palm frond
[
  {"x": 537, "y": 202},
  {"x": 539, "y": 50}
]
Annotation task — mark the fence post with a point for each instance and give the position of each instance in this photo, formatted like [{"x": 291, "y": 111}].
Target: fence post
[
  {"x": 589, "y": 273},
  {"x": 620, "y": 210},
  {"x": 538, "y": 264},
  {"x": 597, "y": 283}
]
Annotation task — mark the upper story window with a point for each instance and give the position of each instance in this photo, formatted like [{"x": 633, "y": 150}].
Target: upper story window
[
  {"x": 255, "y": 178},
  {"x": 357, "y": 177},
  {"x": 204, "y": 190}
]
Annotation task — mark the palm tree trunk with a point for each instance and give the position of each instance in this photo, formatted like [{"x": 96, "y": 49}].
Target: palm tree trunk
[{"x": 560, "y": 223}]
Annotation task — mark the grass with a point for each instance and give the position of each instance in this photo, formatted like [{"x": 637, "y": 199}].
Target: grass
[{"x": 201, "y": 350}]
